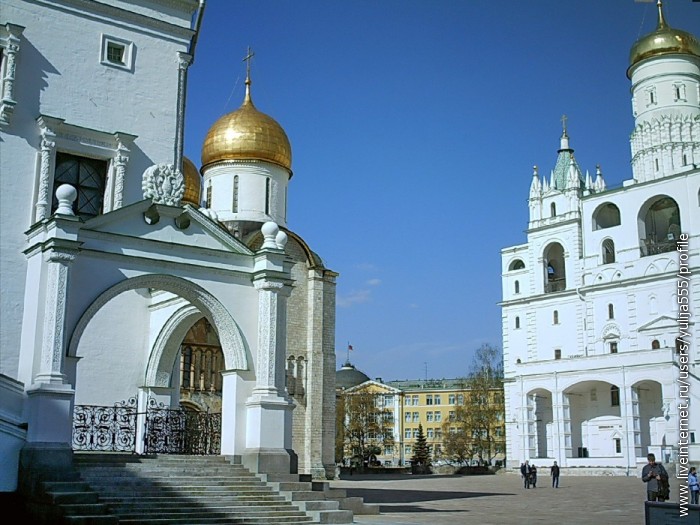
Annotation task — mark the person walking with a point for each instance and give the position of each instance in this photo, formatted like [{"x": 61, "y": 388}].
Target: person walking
[
  {"x": 533, "y": 476},
  {"x": 693, "y": 486},
  {"x": 655, "y": 476},
  {"x": 525, "y": 473},
  {"x": 554, "y": 472}
]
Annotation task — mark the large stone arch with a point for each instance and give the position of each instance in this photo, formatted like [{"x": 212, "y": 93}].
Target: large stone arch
[{"x": 236, "y": 354}]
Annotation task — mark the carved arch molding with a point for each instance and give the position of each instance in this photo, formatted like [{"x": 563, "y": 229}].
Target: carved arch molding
[{"x": 230, "y": 337}]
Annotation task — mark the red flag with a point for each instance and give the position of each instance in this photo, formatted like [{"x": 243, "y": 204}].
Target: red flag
[{"x": 350, "y": 347}]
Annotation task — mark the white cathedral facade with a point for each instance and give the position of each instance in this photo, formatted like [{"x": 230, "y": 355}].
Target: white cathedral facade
[
  {"x": 599, "y": 312},
  {"x": 114, "y": 247}
]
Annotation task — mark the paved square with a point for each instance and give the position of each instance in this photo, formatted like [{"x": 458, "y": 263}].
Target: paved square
[{"x": 501, "y": 499}]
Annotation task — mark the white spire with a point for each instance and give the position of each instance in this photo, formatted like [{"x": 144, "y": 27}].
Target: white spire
[
  {"x": 599, "y": 181},
  {"x": 535, "y": 186}
]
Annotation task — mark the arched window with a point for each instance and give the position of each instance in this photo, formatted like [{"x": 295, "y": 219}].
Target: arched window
[
  {"x": 614, "y": 396},
  {"x": 553, "y": 209},
  {"x": 655, "y": 345},
  {"x": 517, "y": 264},
  {"x": 611, "y": 311},
  {"x": 606, "y": 216},
  {"x": 659, "y": 224},
  {"x": 608, "y": 251},
  {"x": 555, "y": 277},
  {"x": 268, "y": 192},
  {"x": 517, "y": 286},
  {"x": 555, "y": 317},
  {"x": 517, "y": 323}
]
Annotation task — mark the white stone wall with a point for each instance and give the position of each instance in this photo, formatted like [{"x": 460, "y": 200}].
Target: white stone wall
[{"x": 88, "y": 95}]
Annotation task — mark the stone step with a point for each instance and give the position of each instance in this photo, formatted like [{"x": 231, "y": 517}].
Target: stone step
[
  {"x": 358, "y": 506},
  {"x": 107, "y": 519},
  {"x": 251, "y": 499},
  {"x": 247, "y": 520}
]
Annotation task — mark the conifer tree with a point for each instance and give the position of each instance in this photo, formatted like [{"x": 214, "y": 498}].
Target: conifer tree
[{"x": 420, "y": 461}]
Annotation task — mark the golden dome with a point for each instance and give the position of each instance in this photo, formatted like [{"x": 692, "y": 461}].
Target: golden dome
[
  {"x": 193, "y": 183},
  {"x": 663, "y": 41},
  {"x": 247, "y": 134}
]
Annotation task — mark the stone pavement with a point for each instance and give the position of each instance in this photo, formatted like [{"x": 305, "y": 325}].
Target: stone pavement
[{"x": 501, "y": 499}]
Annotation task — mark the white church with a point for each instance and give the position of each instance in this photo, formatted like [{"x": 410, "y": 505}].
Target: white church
[
  {"x": 600, "y": 340},
  {"x": 132, "y": 281}
]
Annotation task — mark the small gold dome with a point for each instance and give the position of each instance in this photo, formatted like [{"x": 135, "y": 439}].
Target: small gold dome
[
  {"x": 247, "y": 134},
  {"x": 663, "y": 41},
  {"x": 193, "y": 183}
]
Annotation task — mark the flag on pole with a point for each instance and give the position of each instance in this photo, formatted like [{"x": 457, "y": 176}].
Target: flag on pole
[{"x": 350, "y": 347}]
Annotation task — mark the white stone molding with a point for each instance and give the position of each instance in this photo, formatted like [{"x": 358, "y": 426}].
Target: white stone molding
[
  {"x": 163, "y": 184},
  {"x": 230, "y": 336},
  {"x": 167, "y": 344},
  {"x": 52, "y": 348},
  {"x": 57, "y": 135},
  {"x": 10, "y": 42}
]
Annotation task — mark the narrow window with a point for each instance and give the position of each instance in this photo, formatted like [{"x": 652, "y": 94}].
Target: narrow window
[
  {"x": 685, "y": 160},
  {"x": 652, "y": 97},
  {"x": 555, "y": 317},
  {"x": 234, "y": 206},
  {"x": 613, "y": 347},
  {"x": 608, "y": 251},
  {"x": 557, "y": 353},
  {"x": 553, "y": 209},
  {"x": 656, "y": 164},
  {"x": 209, "y": 196},
  {"x": 268, "y": 187},
  {"x": 614, "y": 396},
  {"x": 679, "y": 342},
  {"x": 517, "y": 286},
  {"x": 618, "y": 446},
  {"x": 655, "y": 345},
  {"x": 517, "y": 323},
  {"x": 87, "y": 176},
  {"x": 611, "y": 311}
]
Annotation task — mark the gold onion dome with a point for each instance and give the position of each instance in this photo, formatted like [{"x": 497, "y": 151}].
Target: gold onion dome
[
  {"x": 247, "y": 134},
  {"x": 193, "y": 183},
  {"x": 664, "y": 40}
]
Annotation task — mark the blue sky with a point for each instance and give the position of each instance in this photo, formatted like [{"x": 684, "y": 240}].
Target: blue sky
[{"x": 414, "y": 126}]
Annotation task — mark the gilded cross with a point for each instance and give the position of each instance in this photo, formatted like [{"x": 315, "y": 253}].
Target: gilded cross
[
  {"x": 564, "y": 118},
  {"x": 248, "y": 59}
]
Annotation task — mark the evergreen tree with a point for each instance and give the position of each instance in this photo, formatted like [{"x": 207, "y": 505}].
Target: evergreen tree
[{"x": 420, "y": 461}]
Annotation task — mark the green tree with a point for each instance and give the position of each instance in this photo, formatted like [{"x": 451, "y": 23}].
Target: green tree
[
  {"x": 476, "y": 429},
  {"x": 421, "y": 461},
  {"x": 368, "y": 425}
]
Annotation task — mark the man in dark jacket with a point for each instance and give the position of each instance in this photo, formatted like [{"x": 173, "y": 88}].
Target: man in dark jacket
[
  {"x": 554, "y": 472},
  {"x": 655, "y": 476},
  {"x": 525, "y": 473}
]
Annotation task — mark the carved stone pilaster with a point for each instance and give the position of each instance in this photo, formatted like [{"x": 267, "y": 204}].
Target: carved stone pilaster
[
  {"x": 10, "y": 51},
  {"x": 120, "y": 161},
  {"x": 52, "y": 350},
  {"x": 272, "y": 308},
  {"x": 48, "y": 155}
]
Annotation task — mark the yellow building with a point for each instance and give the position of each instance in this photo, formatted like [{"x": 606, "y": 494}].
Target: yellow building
[{"x": 430, "y": 403}]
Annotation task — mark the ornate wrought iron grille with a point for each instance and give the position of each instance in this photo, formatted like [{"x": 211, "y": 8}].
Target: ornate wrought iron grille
[
  {"x": 167, "y": 431},
  {"x": 106, "y": 429}
]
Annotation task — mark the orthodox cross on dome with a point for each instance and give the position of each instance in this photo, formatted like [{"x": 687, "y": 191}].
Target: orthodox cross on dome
[
  {"x": 248, "y": 58},
  {"x": 564, "y": 118}
]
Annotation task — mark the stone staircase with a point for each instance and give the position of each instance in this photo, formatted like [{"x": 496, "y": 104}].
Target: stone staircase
[{"x": 120, "y": 488}]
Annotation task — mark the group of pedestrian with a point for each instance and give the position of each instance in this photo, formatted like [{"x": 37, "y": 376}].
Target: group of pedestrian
[{"x": 529, "y": 475}]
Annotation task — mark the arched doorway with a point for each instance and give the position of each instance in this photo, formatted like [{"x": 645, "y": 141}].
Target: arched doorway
[
  {"x": 649, "y": 419},
  {"x": 540, "y": 429},
  {"x": 659, "y": 225},
  {"x": 126, "y": 363}
]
